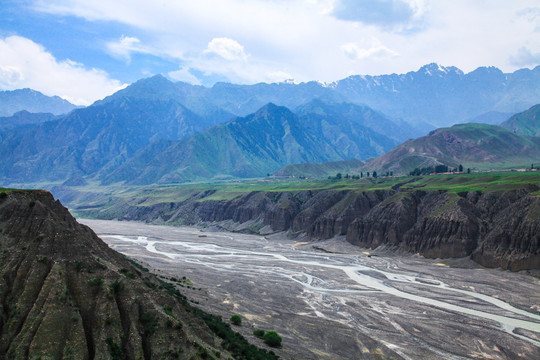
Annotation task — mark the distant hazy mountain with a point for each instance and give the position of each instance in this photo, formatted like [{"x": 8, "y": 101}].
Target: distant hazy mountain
[
  {"x": 472, "y": 145},
  {"x": 32, "y": 101},
  {"x": 525, "y": 123},
  {"x": 491, "y": 118},
  {"x": 24, "y": 117},
  {"x": 397, "y": 130},
  {"x": 436, "y": 95},
  {"x": 444, "y": 96},
  {"x": 253, "y": 146},
  {"x": 99, "y": 137}
]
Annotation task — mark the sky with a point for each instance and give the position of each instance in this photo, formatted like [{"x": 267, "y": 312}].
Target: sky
[{"x": 85, "y": 50}]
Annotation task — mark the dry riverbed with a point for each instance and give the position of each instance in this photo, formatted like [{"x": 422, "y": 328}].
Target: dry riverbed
[{"x": 332, "y": 300}]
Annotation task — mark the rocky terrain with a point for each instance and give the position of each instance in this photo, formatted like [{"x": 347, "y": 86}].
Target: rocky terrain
[
  {"x": 495, "y": 228},
  {"x": 64, "y": 294}
]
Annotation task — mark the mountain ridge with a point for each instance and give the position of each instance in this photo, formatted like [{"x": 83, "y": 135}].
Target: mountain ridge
[
  {"x": 12, "y": 101},
  {"x": 470, "y": 145},
  {"x": 254, "y": 146}
]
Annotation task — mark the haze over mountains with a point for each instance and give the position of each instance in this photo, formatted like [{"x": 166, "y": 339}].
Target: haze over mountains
[{"x": 159, "y": 131}]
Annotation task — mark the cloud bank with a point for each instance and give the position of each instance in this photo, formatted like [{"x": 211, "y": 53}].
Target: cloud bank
[
  {"x": 25, "y": 64},
  {"x": 273, "y": 40}
]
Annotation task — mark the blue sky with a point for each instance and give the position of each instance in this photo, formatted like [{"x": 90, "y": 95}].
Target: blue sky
[{"x": 84, "y": 50}]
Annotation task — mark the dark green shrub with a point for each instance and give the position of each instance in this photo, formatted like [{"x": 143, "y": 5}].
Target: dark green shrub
[
  {"x": 258, "y": 333},
  {"x": 236, "y": 320},
  {"x": 272, "y": 338},
  {"x": 150, "y": 322},
  {"x": 114, "y": 349},
  {"x": 116, "y": 286},
  {"x": 97, "y": 282}
]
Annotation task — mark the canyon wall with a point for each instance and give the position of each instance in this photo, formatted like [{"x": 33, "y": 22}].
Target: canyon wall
[{"x": 496, "y": 229}]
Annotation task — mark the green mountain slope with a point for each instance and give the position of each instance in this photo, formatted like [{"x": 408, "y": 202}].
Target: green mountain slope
[
  {"x": 525, "y": 123},
  {"x": 253, "y": 146},
  {"x": 472, "y": 145}
]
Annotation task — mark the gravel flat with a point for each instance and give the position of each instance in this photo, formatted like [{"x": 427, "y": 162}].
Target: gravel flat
[{"x": 332, "y": 300}]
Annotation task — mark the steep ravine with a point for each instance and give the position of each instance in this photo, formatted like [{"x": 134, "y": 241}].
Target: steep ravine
[{"x": 495, "y": 229}]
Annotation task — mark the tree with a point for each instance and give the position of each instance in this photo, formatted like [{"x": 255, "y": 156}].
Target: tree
[
  {"x": 460, "y": 168},
  {"x": 338, "y": 176},
  {"x": 361, "y": 174},
  {"x": 367, "y": 174},
  {"x": 468, "y": 170},
  {"x": 272, "y": 338},
  {"x": 441, "y": 168},
  {"x": 236, "y": 320},
  {"x": 374, "y": 174}
]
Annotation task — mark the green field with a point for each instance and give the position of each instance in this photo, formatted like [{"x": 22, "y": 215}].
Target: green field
[{"x": 94, "y": 197}]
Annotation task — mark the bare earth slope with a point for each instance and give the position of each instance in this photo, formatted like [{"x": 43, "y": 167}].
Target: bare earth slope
[{"x": 64, "y": 294}]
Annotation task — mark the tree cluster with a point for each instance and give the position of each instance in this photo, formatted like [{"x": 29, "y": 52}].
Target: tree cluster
[{"x": 438, "y": 169}]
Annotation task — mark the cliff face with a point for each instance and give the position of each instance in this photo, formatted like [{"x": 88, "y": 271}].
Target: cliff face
[
  {"x": 64, "y": 294},
  {"x": 497, "y": 229}
]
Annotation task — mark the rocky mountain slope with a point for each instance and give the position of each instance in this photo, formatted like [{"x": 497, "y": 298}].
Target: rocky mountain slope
[
  {"x": 472, "y": 145},
  {"x": 254, "y": 146},
  {"x": 96, "y": 138},
  {"x": 24, "y": 117},
  {"x": 498, "y": 227},
  {"x": 526, "y": 123},
  {"x": 64, "y": 294},
  {"x": 32, "y": 101}
]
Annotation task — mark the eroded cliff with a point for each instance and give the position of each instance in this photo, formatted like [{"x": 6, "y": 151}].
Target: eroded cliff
[{"x": 496, "y": 229}]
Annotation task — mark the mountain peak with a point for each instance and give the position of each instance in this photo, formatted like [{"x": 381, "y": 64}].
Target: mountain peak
[
  {"x": 272, "y": 108},
  {"x": 434, "y": 68},
  {"x": 153, "y": 87}
]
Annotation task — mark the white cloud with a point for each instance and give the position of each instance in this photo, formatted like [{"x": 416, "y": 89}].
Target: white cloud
[
  {"x": 228, "y": 49},
  {"x": 525, "y": 57},
  {"x": 183, "y": 74},
  {"x": 125, "y": 46},
  {"x": 248, "y": 41},
  {"x": 377, "y": 51},
  {"x": 25, "y": 64}
]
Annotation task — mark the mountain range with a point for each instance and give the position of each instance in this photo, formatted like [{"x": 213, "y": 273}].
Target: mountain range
[
  {"x": 159, "y": 131},
  {"x": 32, "y": 101},
  {"x": 144, "y": 134},
  {"x": 434, "y": 95}
]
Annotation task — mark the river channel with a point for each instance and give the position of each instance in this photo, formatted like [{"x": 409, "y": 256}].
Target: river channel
[{"x": 331, "y": 300}]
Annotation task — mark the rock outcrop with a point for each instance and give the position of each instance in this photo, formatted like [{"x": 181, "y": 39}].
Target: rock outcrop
[
  {"x": 495, "y": 229},
  {"x": 64, "y": 294}
]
